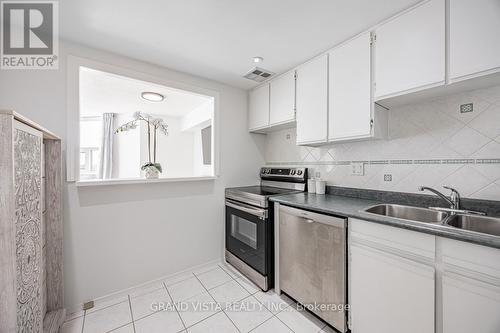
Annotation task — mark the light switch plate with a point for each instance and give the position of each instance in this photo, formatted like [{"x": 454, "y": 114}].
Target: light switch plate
[{"x": 357, "y": 169}]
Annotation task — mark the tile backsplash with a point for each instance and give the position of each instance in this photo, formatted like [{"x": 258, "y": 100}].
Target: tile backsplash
[{"x": 429, "y": 143}]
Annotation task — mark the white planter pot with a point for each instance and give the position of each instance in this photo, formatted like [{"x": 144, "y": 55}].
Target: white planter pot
[{"x": 151, "y": 172}]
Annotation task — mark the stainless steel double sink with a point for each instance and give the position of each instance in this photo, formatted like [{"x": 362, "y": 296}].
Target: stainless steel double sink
[{"x": 474, "y": 223}]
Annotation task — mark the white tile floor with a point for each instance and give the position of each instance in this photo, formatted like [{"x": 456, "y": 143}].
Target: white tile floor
[{"x": 214, "y": 299}]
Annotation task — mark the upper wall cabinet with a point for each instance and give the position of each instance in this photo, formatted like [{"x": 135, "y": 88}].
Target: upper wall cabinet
[
  {"x": 350, "y": 111},
  {"x": 312, "y": 101},
  {"x": 474, "y": 38},
  {"x": 410, "y": 51},
  {"x": 282, "y": 99},
  {"x": 258, "y": 108}
]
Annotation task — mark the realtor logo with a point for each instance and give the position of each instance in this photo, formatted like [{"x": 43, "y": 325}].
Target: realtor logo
[{"x": 29, "y": 32}]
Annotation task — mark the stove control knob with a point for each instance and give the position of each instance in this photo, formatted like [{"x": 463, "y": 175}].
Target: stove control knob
[
  {"x": 299, "y": 172},
  {"x": 292, "y": 172}
]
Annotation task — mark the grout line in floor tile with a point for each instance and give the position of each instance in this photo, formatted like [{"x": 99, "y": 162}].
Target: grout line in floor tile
[
  {"x": 237, "y": 275},
  {"x": 265, "y": 321},
  {"x": 114, "y": 329},
  {"x": 217, "y": 286},
  {"x": 222, "y": 310},
  {"x": 228, "y": 272},
  {"x": 211, "y": 269},
  {"x": 213, "y": 314},
  {"x": 131, "y": 313},
  {"x": 251, "y": 293},
  {"x": 275, "y": 314},
  {"x": 175, "y": 307},
  {"x": 83, "y": 321}
]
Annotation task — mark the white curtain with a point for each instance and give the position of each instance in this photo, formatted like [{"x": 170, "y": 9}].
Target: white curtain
[{"x": 106, "y": 165}]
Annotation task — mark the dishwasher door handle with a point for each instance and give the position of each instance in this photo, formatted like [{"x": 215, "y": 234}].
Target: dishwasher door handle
[{"x": 309, "y": 220}]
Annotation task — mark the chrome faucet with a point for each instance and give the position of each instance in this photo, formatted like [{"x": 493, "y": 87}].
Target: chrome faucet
[{"x": 453, "y": 200}]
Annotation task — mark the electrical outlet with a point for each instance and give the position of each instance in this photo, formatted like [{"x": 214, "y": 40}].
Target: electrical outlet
[
  {"x": 88, "y": 305},
  {"x": 357, "y": 169},
  {"x": 387, "y": 178},
  {"x": 317, "y": 175},
  {"x": 465, "y": 108},
  {"x": 288, "y": 136}
]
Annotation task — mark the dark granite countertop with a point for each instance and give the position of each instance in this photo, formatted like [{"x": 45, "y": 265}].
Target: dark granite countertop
[{"x": 353, "y": 207}]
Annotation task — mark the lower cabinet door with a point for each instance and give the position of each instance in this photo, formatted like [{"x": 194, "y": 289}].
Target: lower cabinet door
[
  {"x": 389, "y": 293},
  {"x": 470, "y": 305}
]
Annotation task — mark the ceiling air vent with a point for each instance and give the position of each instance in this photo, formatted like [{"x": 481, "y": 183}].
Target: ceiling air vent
[{"x": 258, "y": 74}]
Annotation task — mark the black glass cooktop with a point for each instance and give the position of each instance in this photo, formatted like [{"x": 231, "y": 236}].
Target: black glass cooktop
[{"x": 263, "y": 190}]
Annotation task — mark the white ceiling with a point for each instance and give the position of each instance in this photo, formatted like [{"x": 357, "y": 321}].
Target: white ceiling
[
  {"x": 218, "y": 38},
  {"x": 104, "y": 92}
]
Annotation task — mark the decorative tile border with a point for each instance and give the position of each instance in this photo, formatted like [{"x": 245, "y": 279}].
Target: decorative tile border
[{"x": 393, "y": 162}]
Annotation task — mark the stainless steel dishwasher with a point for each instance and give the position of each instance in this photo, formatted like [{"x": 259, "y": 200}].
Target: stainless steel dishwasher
[{"x": 312, "y": 262}]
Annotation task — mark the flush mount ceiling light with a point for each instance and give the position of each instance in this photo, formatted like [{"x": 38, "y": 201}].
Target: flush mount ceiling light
[
  {"x": 152, "y": 96},
  {"x": 258, "y": 59}
]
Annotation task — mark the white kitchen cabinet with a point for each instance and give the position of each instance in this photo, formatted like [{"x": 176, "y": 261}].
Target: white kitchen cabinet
[
  {"x": 351, "y": 109},
  {"x": 410, "y": 51},
  {"x": 282, "y": 94},
  {"x": 470, "y": 305},
  {"x": 471, "y": 288},
  {"x": 391, "y": 279},
  {"x": 312, "y": 101},
  {"x": 258, "y": 108},
  {"x": 474, "y": 38}
]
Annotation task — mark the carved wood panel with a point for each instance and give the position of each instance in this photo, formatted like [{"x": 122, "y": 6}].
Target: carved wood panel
[{"x": 27, "y": 185}]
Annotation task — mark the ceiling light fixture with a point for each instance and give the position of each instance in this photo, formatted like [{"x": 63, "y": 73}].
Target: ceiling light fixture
[
  {"x": 152, "y": 96},
  {"x": 258, "y": 59}
]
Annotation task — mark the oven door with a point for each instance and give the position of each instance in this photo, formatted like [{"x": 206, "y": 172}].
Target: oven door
[{"x": 246, "y": 234}]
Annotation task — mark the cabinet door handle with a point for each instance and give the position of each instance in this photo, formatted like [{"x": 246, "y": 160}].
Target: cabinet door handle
[{"x": 309, "y": 220}]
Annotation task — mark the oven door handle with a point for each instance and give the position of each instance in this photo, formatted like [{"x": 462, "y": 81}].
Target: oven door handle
[{"x": 259, "y": 212}]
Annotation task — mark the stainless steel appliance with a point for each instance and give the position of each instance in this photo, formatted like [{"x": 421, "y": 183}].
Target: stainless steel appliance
[
  {"x": 250, "y": 226},
  {"x": 313, "y": 261}
]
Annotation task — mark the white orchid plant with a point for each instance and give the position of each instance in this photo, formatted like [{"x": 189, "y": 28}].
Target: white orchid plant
[{"x": 154, "y": 125}]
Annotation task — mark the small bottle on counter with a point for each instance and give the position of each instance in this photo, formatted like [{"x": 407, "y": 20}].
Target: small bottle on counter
[
  {"x": 311, "y": 185},
  {"x": 320, "y": 186}
]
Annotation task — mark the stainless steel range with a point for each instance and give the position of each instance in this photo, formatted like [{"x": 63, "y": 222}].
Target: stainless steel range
[{"x": 249, "y": 222}]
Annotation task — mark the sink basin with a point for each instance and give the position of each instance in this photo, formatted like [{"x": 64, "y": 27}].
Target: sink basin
[
  {"x": 482, "y": 224},
  {"x": 408, "y": 213}
]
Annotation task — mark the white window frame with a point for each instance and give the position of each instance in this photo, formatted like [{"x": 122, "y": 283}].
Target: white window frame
[
  {"x": 73, "y": 120},
  {"x": 88, "y": 162}
]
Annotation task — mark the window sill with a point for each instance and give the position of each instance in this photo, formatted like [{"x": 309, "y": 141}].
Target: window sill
[{"x": 128, "y": 181}]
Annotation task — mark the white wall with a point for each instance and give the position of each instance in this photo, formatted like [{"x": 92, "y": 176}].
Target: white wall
[
  {"x": 174, "y": 151},
  {"x": 430, "y": 143},
  {"x": 201, "y": 115},
  {"x": 194, "y": 122},
  {"x": 200, "y": 169},
  {"x": 119, "y": 236}
]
